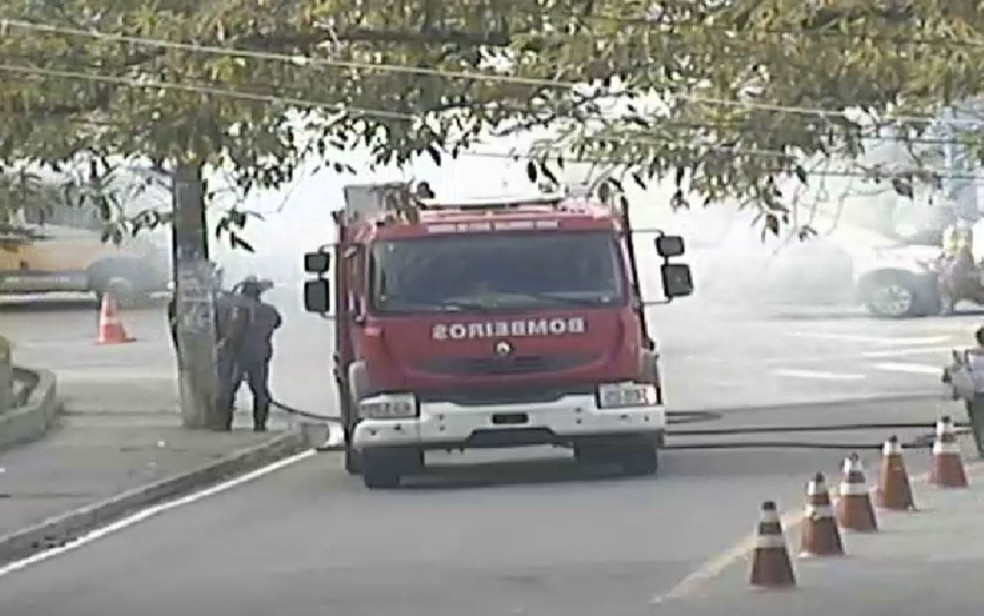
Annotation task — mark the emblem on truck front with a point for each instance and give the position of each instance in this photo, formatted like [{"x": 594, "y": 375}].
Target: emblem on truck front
[
  {"x": 558, "y": 326},
  {"x": 503, "y": 348}
]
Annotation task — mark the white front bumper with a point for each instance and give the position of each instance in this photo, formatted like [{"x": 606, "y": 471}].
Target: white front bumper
[{"x": 452, "y": 424}]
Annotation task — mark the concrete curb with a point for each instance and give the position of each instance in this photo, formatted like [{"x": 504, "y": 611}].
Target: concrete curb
[
  {"x": 29, "y": 421},
  {"x": 61, "y": 529}
]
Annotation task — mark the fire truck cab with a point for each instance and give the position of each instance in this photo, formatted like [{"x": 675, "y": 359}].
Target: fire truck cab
[{"x": 493, "y": 323}]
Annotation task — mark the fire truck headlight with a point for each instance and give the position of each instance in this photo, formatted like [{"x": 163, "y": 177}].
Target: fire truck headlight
[
  {"x": 388, "y": 406},
  {"x": 619, "y": 395}
]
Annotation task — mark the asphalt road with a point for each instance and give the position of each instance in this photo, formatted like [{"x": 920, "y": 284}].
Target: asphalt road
[{"x": 542, "y": 538}]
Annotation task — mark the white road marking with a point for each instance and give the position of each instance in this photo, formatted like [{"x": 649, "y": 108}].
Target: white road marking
[
  {"x": 890, "y": 341},
  {"x": 818, "y": 374},
  {"x": 150, "y": 512},
  {"x": 905, "y": 352},
  {"x": 111, "y": 374},
  {"x": 910, "y": 368}
]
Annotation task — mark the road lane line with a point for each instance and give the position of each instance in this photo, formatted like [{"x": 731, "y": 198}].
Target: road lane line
[
  {"x": 905, "y": 352},
  {"x": 890, "y": 340},
  {"x": 716, "y": 565},
  {"x": 817, "y": 374},
  {"x": 909, "y": 368},
  {"x": 150, "y": 512}
]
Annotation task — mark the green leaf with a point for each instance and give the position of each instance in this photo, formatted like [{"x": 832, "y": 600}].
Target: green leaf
[
  {"x": 604, "y": 192},
  {"x": 547, "y": 173},
  {"x": 435, "y": 154},
  {"x": 903, "y": 188},
  {"x": 238, "y": 243},
  {"x": 772, "y": 224},
  {"x": 801, "y": 174}
]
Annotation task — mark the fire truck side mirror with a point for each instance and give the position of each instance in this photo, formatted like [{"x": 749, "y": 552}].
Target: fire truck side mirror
[
  {"x": 669, "y": 246},
  {"x": 677, "y": 281},
  {"x": 317, "y": 262},
  {"x": 317, "y": 296}
]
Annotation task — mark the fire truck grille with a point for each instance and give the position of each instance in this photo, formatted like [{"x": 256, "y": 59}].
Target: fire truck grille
[
  {"x": 504, "y": 366},
  {"x": 506, "y": 395}
]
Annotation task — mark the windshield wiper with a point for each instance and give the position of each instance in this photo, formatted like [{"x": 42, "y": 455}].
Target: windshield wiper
[
  {"x": 561, "y": 297},
  {"x": 465, "y": 305},
  {"x": 437, "y": 306}
]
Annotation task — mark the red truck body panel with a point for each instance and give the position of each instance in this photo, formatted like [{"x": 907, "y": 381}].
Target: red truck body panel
[
  {"x": 417, "y": 353},
  {"x": 551, "y": 346}
]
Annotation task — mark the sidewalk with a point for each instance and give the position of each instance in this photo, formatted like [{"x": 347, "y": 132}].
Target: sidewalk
[
  {"x": 918, "y": 564},
  {"x": 95, "y": 454},
  {"x": 121, "y": 430}
]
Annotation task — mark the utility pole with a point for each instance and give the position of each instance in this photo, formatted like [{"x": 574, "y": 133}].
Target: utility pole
[
  {"x": 960, "y": 191},
  {"x": 6, "y": 376},
  {"x": 195, "y": 288}
]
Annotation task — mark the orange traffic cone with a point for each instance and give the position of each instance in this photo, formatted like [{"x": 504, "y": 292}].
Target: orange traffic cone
[
  {"x": 771, "y": 567},
  {"x": 948, "y": 469},
  {"x": 854, "y": 510},
  {"x": 820, "y": 535},
  {"x": 894, "y": 491},
  {"x": 111, "y": 330}
]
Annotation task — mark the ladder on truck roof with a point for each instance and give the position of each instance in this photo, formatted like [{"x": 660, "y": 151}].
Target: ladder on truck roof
[
  {"x": 500, "y": 202},
  {"x": 364, "y": 201}
]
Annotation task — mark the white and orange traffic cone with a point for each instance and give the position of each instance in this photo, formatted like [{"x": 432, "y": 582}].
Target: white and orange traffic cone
[
  {"x": 854, "y": 510},
  {"x": 771, "y": 566},
  {"x": 948, "y": 468},
  {"x": 820, "y": 535},
  {"x": 894, "y": 491},
  {"x": 111, "y": 330}
]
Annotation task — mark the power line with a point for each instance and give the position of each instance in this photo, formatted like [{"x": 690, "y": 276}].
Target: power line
[
  {"x": 337, "y": 108},
  {"x": 530, "y": 156},
  {"x": 655, "y": 23},
  {"x": 661, "y": 122},
  {"x": 270, "y": 99},
  {"x": 199, "y": 89},
  {"x": 6, "y": 23}
]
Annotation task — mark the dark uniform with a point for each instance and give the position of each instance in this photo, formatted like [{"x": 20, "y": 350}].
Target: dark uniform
[
  {"x": 172, "y": 323},
  {"x": 230, "y": 326},
  {"x": 252, "y": 348}
]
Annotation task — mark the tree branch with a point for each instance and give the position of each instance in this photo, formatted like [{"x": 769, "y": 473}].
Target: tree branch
[{"x": 100, "y": 102}]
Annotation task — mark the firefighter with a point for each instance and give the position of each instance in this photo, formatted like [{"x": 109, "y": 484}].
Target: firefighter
[
  {"x": 253, "y": 349},
  {"x": 172, "y": 321},
  {"x": 959, "y": 274},
  {"x": 230, "y": 328}
]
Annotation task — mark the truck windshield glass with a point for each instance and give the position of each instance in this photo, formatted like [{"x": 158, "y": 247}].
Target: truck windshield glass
[{"x": 495, "y": 272}]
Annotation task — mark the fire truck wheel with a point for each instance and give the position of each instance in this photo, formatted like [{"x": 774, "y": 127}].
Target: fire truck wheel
[
  {"x": 638, "y": 461},
  {"x": 383, "y": 470}
]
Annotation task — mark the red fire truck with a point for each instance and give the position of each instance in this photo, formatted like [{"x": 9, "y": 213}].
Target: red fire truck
[{"x": 489, "y": 324}]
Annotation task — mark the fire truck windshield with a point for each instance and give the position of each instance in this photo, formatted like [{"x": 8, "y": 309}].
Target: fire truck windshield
[{"x": 492, "y": 272}]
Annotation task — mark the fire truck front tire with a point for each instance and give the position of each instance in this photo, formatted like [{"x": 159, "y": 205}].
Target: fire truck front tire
[
  {"x": 384, "y": 469},
  {"x": 635, "y": 459},
  {"x": 639, "y": 461}
]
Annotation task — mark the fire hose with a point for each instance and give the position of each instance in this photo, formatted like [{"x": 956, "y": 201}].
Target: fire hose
[{"x": 923, "y": 441}]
